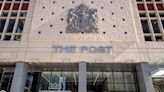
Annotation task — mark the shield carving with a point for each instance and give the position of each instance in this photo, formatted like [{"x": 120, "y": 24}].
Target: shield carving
[{"x": 82, "y": 19}]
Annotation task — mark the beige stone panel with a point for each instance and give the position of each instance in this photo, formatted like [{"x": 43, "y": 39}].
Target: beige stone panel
[
  {"x": 38, "y": 49},
  {"x": 144, "y": 57},
  {"x": 156, "y": 58},
  {"x": 23, "y": 44},
  {"x": 155, "y": 45},
  {"x": 40, "y": 56},
  {"x": 53, "y": 33},
  {"x": 143, "y": 50},
  {"x": 8, "y": 49},
  {"x": 123, "y": 57},
  {"x": 8, "y": 56},
  {"x": 81, "y": 57},
  {"x": 21, "y": 56},
  {"x": 155, "y": 50},
  {"x": 38, "y": 44},
  {"x": 22, "y": 49},
  {"x": 9, "y": 43},
  {"x": 119, "y": 50},
  {"x": 142, "y": 45},
  {"x": 124, "y": 45}
]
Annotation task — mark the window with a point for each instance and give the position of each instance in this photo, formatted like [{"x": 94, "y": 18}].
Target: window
[
  {"x": 150, "y": 6},
  {"x": 152, "y": 29},
  {"x": 2, "y": 24},
  {"x": 4, "y": 14},
  {"x": 7, "y": 37},
  {"x": 160, "y": 7},
  {"x": 145, "y": 26},
  {"x": 141, "y": 7},
  {"x": 16, "y": 6},
  {"x": 155, "y": 26},
  {"x": 11, "y": 26},
  {"x": 142, "y": 14},
  {"x": 20, "y": 26},
  {"x": 111, "y": 78},
  {"x": 13, "y": 14},
  {"x": 148, "y": 38},
  {"x": 7, "y": 6}
]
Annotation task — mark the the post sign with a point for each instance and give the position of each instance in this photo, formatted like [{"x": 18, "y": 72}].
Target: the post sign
[{"x": 81, "y": 49}]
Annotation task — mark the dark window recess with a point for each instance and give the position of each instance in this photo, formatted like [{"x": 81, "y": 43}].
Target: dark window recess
[
  {"x": 145, "y": 26},
  {"x": 2, "y": 24},
  {"x": 148, "y": 38},
  {"x": 4, "y": 14},
  {"x": 148, "y": 0},
  {"x": 158, "y": 38},
  {"x": 142, "y": 14},
  {"x": 141, "y": 7},
  {"x": 10, "y": 26},
  {"x": 155, "y": 26},
  {"x": 16, "y": 6},
  {"x": 13, "y": 14},
  {"x": 161, "y": 14},
  {"x": 160, "y": 7},
  {"x": 17, "y": 37},
  {"x": 20, "y": 26},
  {"x": 23, "y": 14},
  {"x": 152, "y": 15},
  {"x": 162, "y": 23},
  {"x": 0, "y": 5},
  {"x": 7, "y": 37},
  {"x": 150, "y": 7},
  {"x": 157, "y": 0},
  {"x": 24, "y": 6},
  {"x": 139, "y": 0},
  {"x": 7, "y": 6}
]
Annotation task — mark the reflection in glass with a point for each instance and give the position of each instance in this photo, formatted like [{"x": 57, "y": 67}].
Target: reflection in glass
[
  {"x": 2, "y": 24},
  {"x": 58, "y": 80},
  {"x": 10, "y": 26},
  {"x": 20, "y": 26},
  {"x": 111, "y": 78}
]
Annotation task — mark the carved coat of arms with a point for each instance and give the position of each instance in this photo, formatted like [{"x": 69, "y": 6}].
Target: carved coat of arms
[{"x": 82, "y": 19}]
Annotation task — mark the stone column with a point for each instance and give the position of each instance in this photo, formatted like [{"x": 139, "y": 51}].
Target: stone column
[
  {"x": 144, "y": 77},
  {"x": 82, "y": 77},
  {"x": 19, "y": 79}
]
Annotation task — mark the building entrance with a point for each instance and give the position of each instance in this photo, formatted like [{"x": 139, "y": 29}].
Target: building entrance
[
  {"x": 100, "y": 78},
  {"x": 111, "y": 78}
]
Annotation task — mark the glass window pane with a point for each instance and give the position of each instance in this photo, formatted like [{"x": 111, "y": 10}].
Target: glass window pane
[
  {"x": 20, "y": 26},
  {"x": 108, "y": 76},
  {"x": 4, "y": 14},
  {"x": 17, "y": 37},
  {"x": 23, "y": 14},
  {"x": 2, "y": 24},
  {"x": 118, "y": 77},
  {"x": 13, "y": 14},
  {"x": 145, "y": 26},
  {"x": 130, "y": 87},
  {"x": 10, "y": 26},
  {"x": 155, "y": 26},
  {"x": 128, "y": 77},
  {"x": 119, "y": 87},
  {"x": 7, "y": 37}
]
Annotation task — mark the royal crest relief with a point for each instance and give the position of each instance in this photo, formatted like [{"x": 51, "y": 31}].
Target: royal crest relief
[{"x": 82, "y": 19}]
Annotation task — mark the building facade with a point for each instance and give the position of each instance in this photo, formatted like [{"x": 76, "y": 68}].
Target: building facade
[{"x": 81, "y": 45}]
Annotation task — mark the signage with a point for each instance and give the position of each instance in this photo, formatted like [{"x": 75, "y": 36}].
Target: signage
[
  {"x": 81, "y": 49},
  {"x": 61, "y": 85}
]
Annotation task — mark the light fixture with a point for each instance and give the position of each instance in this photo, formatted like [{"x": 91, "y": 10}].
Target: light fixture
[{"x": 158, "y": 73}]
